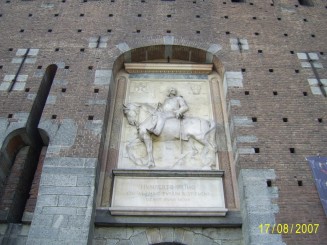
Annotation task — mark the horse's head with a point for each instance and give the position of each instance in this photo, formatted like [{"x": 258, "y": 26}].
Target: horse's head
[{"x": 131, "y": 111}]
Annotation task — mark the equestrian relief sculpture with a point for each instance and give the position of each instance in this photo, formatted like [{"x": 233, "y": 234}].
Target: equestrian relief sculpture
[{"x": 168, "y": 121}]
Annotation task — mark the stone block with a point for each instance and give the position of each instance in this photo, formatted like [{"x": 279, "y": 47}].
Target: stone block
[
  {"x": 58, "y": 179},
  {"x": 302, "y": 56},
  {"x": 203, "y": 240},
  {"x": 247, "y": 139},
  {"x": 31, "y": 52},
  {"x": 188, "y": 237},
  {"x": 8, "y": 78},
  {"x": 85, "y": 181},
  {"x": 102, "y": 242},
  {"x": 214, "y": 48},
  {"x": 60, "y": 221},
  {"x": 140, "y": 239},
  {"x": 123, "y": 47},
  {"x": 234, "y": 79},
  {"x": 84, "y": 211},
  {"x": 65, "y": 190},
  {"x": 244, "y": 151},
  {"x": 30, "y": 61},
  {"x": 305, "y": 64},
  {"x": 22, "y": 78},
  {"x": 244, "y": 44},
  {"x": 50, "y": 127},
  {"x": 102, "y": 44},
  {"x": 60, "y": 82},
  {"x": 79, "y": 221},
  {"x": 61, "y": 65},
  {"x": 178, "y": 234},
  {"x": 318, "y": 65},
  {"x": 21, "y": 52},
  {"x": 223, "y": 233},
  {"x": 102, "y": 77},
  {"x": 73, "y": 201},
  {"x": 70, "y": 171},
  {"x": 168, "y": 40},
  {"x": 313, "y": 56},
  {"x": 124, "y": 242},
  {"x": 71, "y": 234},
  {"x": 4, "y": 86},
  {"x": 313, "y": 82},
  {"x": 51, "y": 100},
  {"x": 90, "y": 162},
  {"x": 38, "y": 73},
  {"x": 66, "y": 134},
  {"x": 3, "y": 229},
  {"x": 95, "y": 126},
  {"x": 153, "y": 235},
  {"x": 19, "y": 86},
  {"x": 235, "y": 103},
  {"x": 96, "y": 102},
  {"x": 47, "y": 200},
  {"x": 43, "y": 219},
  {"x": 21, "y": 116},
  {"x": 229, "y": 242},
  {"x": 242, "y": 121},
  {"x": 31, "y": 96},
  {"x": 37, "y": 231},
  {"x": 316, "y": 90},
  {"x": 112, "y": 242},
  {"x": 17, "y": 60},
  {"x": 59, "y": 210},
  {"x": 113, "y": 232},
  {"x": 167, "y": 234}
]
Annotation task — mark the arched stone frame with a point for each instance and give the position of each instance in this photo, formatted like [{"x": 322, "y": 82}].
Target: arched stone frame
[
  {"x": 19, "y": 148},
  {"x": 136, "y": 55},
  {"x": 23, "y": 132}
]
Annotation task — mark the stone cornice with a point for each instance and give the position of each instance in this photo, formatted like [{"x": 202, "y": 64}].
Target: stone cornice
[{"x": 168, "y": 68}]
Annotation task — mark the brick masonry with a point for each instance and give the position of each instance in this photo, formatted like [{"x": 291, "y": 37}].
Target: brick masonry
[{"x": 272, "y": 82}]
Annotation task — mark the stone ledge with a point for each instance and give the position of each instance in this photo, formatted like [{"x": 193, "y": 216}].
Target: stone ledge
[
  {"x": 168, "y": 68},
  {"x": 232, "y": 219}
]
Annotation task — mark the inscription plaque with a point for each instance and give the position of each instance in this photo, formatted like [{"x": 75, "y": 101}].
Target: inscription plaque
[{"x": 162, "y": 193}]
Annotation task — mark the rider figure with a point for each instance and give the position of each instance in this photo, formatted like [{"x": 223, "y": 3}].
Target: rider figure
[{"x": 173, "y": 106}]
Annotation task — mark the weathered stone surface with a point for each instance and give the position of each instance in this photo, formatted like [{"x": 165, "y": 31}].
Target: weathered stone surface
[
  {"x": 167, "y": 234},
  {"x": 140, "y": 239},
  {"x": 153, "y": 235},
  {"x": 102, "y": 77},
  {"x": 255, "y": 193}
]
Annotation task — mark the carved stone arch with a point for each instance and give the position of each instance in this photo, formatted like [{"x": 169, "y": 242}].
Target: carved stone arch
[{"x": 159, "y": 49}]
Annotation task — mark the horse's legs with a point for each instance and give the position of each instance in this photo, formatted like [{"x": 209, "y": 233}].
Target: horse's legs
[
  {"x": 206, "y": 155},
  {"x": 149, "y": 149}
]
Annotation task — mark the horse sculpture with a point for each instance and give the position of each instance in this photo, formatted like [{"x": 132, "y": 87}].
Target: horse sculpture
[{"x": 143, "y": 117}]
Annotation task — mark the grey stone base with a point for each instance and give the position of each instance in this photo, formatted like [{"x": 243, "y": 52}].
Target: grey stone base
[
  {"x": 147, "y": 236},
  {"x": 232, "y": 219}
]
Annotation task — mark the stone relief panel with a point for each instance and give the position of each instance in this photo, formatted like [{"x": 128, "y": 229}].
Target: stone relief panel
[{"x": 168, "y": 124}]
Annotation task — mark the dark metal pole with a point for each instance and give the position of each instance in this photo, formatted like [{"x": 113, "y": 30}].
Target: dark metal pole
[{"x": 12, "y": 84}]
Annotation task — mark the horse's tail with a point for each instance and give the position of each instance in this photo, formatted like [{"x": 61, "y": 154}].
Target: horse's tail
[{"x": 212, "y": 127}]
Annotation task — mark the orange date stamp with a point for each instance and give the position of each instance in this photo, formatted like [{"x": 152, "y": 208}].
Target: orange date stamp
[{"x": 289, "y": 228}]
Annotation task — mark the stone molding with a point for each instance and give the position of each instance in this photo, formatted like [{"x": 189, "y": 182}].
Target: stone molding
[{"x": 168, "y": 68}]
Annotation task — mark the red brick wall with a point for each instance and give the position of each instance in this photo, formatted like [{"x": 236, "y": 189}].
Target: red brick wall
[{"x": 31, "y": 201}]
